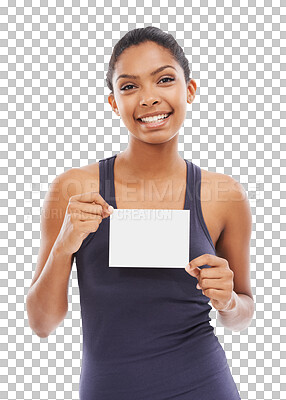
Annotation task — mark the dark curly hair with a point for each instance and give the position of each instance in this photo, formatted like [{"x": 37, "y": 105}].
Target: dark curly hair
[{"x": 140, "y": 35}]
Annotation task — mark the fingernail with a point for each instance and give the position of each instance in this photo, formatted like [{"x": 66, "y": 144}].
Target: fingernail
[
  {"x": 110, "y": 209},
  {"x": 198, "y": 286}
]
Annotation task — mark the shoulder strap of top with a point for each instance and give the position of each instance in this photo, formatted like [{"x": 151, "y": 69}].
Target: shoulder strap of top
[
  {"x": 106, "y": 185},
  {"x": 196, "y": 185},
  {"x": 189, "y": 190},
  {"x": 197, "y": 205},
  {"x": 193, "y": 186}
]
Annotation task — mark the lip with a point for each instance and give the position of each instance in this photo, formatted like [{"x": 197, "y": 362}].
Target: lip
[
  {"x": 152, "y": 125},
  {"x": 154, "y": 114}
]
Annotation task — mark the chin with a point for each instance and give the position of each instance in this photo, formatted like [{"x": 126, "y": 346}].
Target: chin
[{"x": 154, "y": 137}]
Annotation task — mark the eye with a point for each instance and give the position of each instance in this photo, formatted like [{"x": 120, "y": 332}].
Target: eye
[
  {"x": 124, "y": 87},
  {"x": 170, "y": 79}
]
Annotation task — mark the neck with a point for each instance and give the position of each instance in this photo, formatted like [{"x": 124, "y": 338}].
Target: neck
[{"x": 151, "y": 161}]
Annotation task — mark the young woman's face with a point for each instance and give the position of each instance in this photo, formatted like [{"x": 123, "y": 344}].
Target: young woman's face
[{"x": 164, "y": 91}]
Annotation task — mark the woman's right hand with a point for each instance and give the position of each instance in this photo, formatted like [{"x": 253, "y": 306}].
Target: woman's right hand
[{"x": 83, "y": 215}]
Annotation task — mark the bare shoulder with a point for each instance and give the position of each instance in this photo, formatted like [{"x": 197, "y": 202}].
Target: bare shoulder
[
  {"x": 79, "y": 180},
  {"x": 221, "y": 186},
  {"x": 219, "y": 192},
  {"x": 229, "y": 188}
]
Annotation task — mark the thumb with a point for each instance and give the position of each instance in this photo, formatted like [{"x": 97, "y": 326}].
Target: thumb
[
  {"x": 195, "y": 272},
  {"x": 109, "y": 211}
]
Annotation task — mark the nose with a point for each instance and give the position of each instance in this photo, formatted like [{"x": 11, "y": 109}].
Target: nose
[
  {"x": 148, "y": 102},
  {"x": 148, "y": 96}
]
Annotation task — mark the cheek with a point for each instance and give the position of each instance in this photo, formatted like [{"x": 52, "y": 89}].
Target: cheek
[
  {"x": 127, "y": 109},
  {"x": 180, "y": 107},
  {"x": 178, "y": 99}
]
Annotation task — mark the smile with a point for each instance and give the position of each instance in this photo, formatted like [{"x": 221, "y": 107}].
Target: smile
[{"x": 155, "y": 123}]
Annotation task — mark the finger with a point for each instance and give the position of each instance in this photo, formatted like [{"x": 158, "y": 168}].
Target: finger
[
  {"x": 91, "y": 197},
  {"x": 195, "y": 272},
  {"x": 213, "y": 273},
  {"x": 94, "y": 209},
  {"x": 206, "y": 259},
  {"x": 84, "y": 216},
  {"x": 211, "y": 284},
  {"x": 90, "y": 226},
  {"x": 215, "y": 294},
  {"x": 84, "y": 211}
]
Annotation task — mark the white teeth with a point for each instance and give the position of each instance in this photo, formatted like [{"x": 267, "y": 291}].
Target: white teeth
[{"x": 155, "y": 118}]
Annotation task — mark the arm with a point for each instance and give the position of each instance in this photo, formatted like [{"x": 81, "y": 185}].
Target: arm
[
  {"x": 47, "y": 302},
  {"x": 234, "y": 246},
  {"x": 47, "y": 298}
]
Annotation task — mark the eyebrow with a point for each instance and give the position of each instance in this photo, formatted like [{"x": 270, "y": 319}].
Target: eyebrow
[{"x": 152, "y": 73}]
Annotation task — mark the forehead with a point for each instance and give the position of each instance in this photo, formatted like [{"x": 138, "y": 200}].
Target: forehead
[{"x": 142, "y": 59}]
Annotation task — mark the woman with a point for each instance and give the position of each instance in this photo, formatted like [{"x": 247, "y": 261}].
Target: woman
[{"x": 146, "y": 331}]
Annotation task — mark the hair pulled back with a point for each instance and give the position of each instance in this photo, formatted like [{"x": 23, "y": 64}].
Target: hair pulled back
[{"x": 141, "y": 35}]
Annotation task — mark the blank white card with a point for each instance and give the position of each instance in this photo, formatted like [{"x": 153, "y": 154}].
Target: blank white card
[{"x": 149, "y": 238}]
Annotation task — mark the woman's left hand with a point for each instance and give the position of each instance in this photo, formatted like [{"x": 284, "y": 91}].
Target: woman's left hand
[{"x": 216, "y": 282}]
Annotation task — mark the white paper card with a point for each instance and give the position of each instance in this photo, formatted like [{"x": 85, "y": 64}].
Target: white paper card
[{"x": 149, "y": 238}]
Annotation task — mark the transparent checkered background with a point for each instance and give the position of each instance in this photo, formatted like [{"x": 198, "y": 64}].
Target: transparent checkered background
[{"x": 55, "y": 116}]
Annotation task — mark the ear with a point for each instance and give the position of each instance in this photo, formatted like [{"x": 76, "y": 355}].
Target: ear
[
  {"x": 112, "y": 102},
  {"x": 191, "y": 91}
]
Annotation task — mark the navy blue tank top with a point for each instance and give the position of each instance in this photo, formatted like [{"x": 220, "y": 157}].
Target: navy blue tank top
[{"x": 146, "y": 331}]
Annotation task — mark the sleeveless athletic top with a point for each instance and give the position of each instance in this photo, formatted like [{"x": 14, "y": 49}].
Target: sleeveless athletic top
[{"x": 146, "y": 331}]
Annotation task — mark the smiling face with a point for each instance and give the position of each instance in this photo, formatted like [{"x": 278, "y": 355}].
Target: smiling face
[{"x": 150, "y": 89}]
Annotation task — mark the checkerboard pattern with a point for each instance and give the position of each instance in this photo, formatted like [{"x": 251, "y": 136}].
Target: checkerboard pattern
[{"x": 54, "y": 115}]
